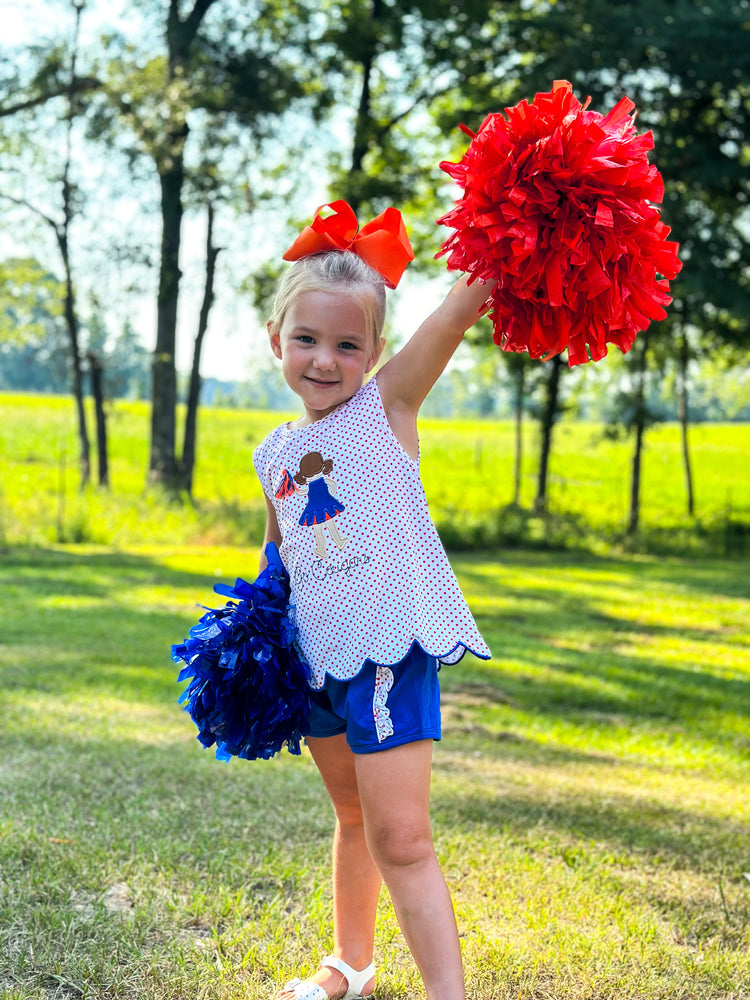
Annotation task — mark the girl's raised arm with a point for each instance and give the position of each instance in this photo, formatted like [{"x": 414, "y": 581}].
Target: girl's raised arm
[{"x": 405, "y": 380}]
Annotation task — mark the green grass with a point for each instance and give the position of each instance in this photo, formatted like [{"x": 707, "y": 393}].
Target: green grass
[
  {"x": 591, "y": 794},
  {"x": 467, "y": 471}
]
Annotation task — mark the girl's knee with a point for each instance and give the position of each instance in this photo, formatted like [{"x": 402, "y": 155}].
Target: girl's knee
[
  {"x": 348, "y": 810},
  {"x": 400, "y": 846}
]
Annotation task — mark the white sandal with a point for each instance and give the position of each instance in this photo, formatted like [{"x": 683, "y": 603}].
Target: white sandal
[{"x": 304, "y": 989}]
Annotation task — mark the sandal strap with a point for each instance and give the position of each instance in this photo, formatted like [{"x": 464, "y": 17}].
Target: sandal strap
[
  {"x": 304, "y": 989},
  {"x": 355, "y": 980}
]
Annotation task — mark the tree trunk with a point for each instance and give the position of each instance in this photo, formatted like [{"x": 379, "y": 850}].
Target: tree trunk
[
  {"x": 163, "y": 463},
  {"x": 187, "y": 465},
  {"x": 640, "y": 430},
  {"x": 363, "y": 123},
  {"x": 71, "y": 325},
  {"x": 548, "y": 420},
  {"x": 683, "y": 412},
  {"x": 635, "y": 479},
  {"x": 95, "y": 368},
  {"x": 62, "y": 232},
  {"x": 518, "y": 416}
]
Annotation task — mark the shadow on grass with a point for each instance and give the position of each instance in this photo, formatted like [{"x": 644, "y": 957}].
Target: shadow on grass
[
  {"x": 97, "y": 800},
  {"x": 94, "y": 574},
  {"x": 714, "y": 577},
  {"x": 618, "y": 822},
  {"x": 112, "y": 649},
  {"x": 106, "y": 644},
  {"x": 558, "y": 654},
  {"x": 176, "y": 810},
  {"x": 605, "y": 682},
  {"x": 122, "y": 798},
  {"x": 70, "y": 628}
]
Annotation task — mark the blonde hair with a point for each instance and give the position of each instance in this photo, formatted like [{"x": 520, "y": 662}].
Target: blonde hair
[{"x": 335, "y": 271}]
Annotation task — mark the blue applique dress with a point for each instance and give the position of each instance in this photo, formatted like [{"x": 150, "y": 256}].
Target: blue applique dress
[{"x": 320, "y": 504}]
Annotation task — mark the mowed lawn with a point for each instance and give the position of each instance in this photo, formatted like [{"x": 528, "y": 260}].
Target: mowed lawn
[{"x": 591, "y": 793}]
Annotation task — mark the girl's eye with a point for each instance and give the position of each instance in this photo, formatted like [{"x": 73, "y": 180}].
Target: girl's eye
[
  {"x": 346, "y": 345},
  {"x": 305, "y": 338}
]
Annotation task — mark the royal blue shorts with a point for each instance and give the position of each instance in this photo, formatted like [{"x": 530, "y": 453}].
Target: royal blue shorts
[{"x": 381, "y": 707}]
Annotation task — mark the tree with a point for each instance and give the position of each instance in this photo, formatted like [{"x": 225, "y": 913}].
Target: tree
[
  {"x": 391, "y": 67},
  {"x": 229, "y": 70},
  {"x": 30, "y": 300},
  {"x": 61, "y": 228},
  {"x": 125, "y": 362},
  {"x": 639, "y": 426},
  {"x": 97, "y": 391},
  {"x": 403, "y": 59},
  {"x": 548, "y": 419},
  {"x": 686, "y": 65},
  {"x": 187, "y": 463},
  {"x": 33, "y": 351},
  {"x": 517, "y": 369},
  {"x": 169, "y": 156}
]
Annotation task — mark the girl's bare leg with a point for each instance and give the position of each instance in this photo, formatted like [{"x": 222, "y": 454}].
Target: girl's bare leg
[
  {"x": 381, "y": 801},
  {"x": 394, "y": 788},
  {"x": 356, "y": 879}
]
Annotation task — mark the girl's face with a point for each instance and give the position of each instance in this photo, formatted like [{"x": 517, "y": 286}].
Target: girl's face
[{"x": 325, "y": 350}]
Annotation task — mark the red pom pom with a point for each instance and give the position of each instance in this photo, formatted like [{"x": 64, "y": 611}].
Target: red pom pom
[{"x": 558, "y": 211}]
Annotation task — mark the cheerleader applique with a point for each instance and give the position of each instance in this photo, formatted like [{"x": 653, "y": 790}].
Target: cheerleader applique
[{"x": 321, "y": 508}]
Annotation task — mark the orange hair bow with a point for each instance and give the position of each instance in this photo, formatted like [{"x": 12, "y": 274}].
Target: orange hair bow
[{"x": 382, "y": 243}]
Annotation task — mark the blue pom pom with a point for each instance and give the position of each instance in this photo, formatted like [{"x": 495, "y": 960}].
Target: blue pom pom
[{"x": 248, "y": 689}]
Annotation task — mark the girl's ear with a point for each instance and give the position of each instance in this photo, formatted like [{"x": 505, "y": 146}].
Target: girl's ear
[
  {"x": 274, "y": 338},
  {"x": 375, "y": 356}
]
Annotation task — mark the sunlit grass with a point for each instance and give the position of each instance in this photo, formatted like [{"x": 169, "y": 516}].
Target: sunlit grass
[{"x": 591, "y": 794}]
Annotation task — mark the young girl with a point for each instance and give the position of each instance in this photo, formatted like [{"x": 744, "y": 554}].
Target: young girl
[{"x": 377, "y": 617}]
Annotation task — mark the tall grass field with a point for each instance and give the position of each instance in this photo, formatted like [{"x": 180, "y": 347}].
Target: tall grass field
[{"x": 467, "y": 471}]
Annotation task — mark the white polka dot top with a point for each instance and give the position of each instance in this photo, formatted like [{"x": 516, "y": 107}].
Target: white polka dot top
[{"x": 369, "y": 576}]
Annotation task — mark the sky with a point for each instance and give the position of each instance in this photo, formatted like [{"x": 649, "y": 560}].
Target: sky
[{"x": 236, "y": 338}]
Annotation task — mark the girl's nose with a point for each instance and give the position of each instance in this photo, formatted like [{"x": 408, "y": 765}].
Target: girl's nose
[{"x": 324, "y": 359}]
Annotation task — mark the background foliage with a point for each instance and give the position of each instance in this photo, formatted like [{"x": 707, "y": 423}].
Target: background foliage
[{"x": 234, "y": 119}]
